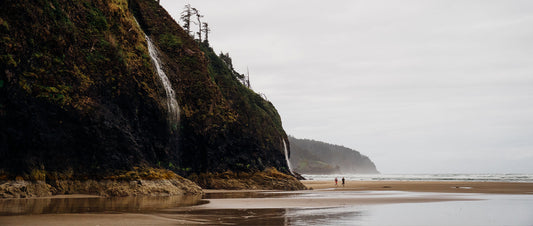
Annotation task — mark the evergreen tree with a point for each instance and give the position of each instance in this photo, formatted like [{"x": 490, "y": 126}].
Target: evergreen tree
[
  {"x": 247, "y": 78},
  {"x": 186, "y": 18},
  {"x": 227, "y": 60},
  {"x": 206, "y": 30}
]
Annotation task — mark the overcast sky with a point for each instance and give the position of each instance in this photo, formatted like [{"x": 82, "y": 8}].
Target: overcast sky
[{"x": 418, "y": 86}]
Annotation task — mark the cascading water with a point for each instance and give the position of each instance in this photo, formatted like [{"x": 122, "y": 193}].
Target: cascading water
[
  {"x": 287, "y": 156},
  {"x": 172, "y": 103}
]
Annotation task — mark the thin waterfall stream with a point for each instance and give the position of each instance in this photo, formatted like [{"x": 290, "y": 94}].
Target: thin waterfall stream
[
  {"x": 172, "y": 103},
  {"x": 287, "y": 156}
]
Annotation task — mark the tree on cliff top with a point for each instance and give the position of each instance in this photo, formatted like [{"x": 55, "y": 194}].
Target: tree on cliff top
[
  {"x": 206, "y": 31},
  {"x": 187, "y": 14},
  {"x": 198, "y": 18},
  {"x": 186, "y": 18}
]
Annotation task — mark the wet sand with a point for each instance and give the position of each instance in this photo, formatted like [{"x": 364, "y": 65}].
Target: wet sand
[
  {"x": 278, "y": 207},
  {"x": 426, "y": 186},
  {"x": 92, "y": 219},
  {"x": 325, "y": 194}
]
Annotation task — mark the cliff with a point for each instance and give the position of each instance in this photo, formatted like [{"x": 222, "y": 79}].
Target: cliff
[
  {"x": 315, "y": 157},
  {"x": 81, "y": 96},
  {"x": 224, "y": 125}
]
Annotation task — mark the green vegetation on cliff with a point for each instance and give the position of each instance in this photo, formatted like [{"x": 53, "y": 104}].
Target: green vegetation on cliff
[
  {"x": 79, "y": 89},
  {"x": 224, "y": 125},
  {"x": 79, "y": 95}
]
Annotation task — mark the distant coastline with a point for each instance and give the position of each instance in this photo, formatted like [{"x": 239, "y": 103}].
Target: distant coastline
[{"x": 521, "y": 178}]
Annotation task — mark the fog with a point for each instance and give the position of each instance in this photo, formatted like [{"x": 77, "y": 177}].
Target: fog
[{"x": 418, "y": 86}]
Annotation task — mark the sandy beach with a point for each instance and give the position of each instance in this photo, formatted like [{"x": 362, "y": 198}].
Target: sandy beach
[
  {"x": 426, "y": 186},
  {"x": 325, "y": 194},
  {"x": 323, "y": 202}
]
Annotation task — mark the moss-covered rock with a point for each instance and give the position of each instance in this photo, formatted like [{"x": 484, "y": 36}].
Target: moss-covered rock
[
  {"x": 268, "y": 179},
  {"x": 139, "y": 181}
]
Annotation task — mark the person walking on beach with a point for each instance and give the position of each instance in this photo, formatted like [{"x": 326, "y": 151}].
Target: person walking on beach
[
  {"x": 336, "y": 182},
  {"x": 343, "y": 181}
]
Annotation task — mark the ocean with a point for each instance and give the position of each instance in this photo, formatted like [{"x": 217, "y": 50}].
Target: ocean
[{"x": 526, "y": 178}]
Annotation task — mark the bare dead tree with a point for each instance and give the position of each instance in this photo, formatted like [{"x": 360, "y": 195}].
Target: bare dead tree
[{"x": 199, "y": 16}]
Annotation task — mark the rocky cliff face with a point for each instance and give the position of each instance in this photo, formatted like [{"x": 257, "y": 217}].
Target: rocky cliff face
[
  {"x": 315, "y": 157},
  {"x": 79, "y": 93}
]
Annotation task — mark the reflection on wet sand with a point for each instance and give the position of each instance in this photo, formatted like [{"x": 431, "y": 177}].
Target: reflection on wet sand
[
  {"x": 231, "y": 216},
  {"x": 93, "y": 204},
  {"x": 324, "y": 216},
  {"x": 314, "y": 207},
  {"x": 274, "y": 216},
  {"x": 213, "y": 194}
]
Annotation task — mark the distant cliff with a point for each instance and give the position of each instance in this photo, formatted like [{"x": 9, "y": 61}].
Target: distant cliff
[
  {"x": 80, "y": 96},
  {"x": 315, "y": 157}
]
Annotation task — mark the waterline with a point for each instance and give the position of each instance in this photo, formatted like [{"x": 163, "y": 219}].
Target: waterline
[{"x": 428, "y": 177}]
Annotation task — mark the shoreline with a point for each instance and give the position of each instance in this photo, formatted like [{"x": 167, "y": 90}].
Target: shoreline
[
  {"x": 267, "y": 206},
  {"x": 324, "y": 194},
  {"x": 484, "y": 187},
  {"x": 427, "y": 186}
]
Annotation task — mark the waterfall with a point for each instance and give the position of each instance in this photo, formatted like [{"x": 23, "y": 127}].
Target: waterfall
[
  {"x": 287, "y": 156},
  {"x": 172, "y": 103}
]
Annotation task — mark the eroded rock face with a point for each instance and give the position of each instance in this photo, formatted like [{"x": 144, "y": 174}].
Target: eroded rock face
[
  {"x": 107, "y": 188},
  {"x": 24, "y": 189},
  {"x": 269, "y": 179}
]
